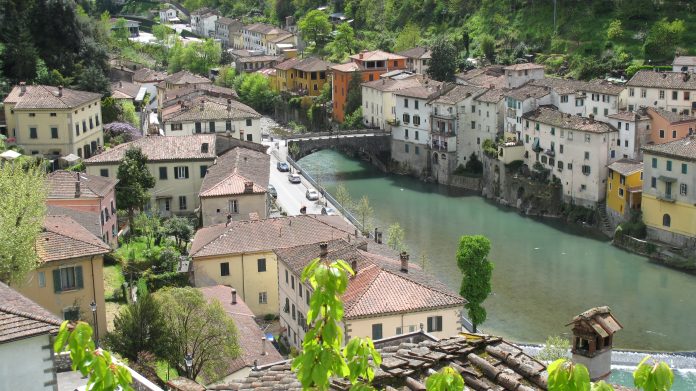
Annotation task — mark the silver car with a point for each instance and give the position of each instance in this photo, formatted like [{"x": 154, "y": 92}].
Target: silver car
[
  {"x": 312, "y": 194},
  {"x": 294, "y": 178}
]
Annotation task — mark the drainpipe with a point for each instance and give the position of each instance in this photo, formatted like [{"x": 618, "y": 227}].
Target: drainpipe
[
  {"x": 243, "y": 278},
  {"x": 94, "y": 295}
]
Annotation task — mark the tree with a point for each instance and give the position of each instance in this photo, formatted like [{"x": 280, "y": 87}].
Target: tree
[
  {"x": 134, "y": 181},
  {"x": 353, "y": 120},
  {"x": 661, "y": 42},
  {"x": 343, "y": 44},
  {"x": 111, "y": 110},
  {"x": 655, "y": 377},
  {"x": 139, "y": 327},
  {"x": 365, "y": 212},
  {"x": 487, "y": 45},
  {"x": 615, "y": 30},
  {"x": 283, "y": 9},
  {"x": 408, "y": 37},
  {"x": 120, "y": 32},
  {"x": 555, "y": 348},
  {"x": 255, "y": 90},
  {"x": 148, "y": 226},
  {"x": 93, "y": 79},
  {"x": 197, "y": 57},
  {"x": 200, "y": 329},
  {"x": 395, "y": 237},
  {"x": 477, "y": 270},
  {"x": 315, "y": 28},
  {"x": 448, "y": 379},
  {"x": 21, "y": 219},
  {"x": 444, "y": 60},
  {"x": 343, "y": 196},
  {"x": 354, "y": 95},
  {"x": 128, "y": 113},
  {"x": 180, "y": 229},
  {"x": 226, "y": 77}
]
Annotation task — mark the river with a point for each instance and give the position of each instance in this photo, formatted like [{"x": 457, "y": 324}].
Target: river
[{"x": 545, "y": 272}]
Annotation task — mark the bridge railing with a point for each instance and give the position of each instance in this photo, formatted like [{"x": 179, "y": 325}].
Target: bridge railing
[
  {"x": 342, "y": 209},
  {"x": 339, "y": 133}
]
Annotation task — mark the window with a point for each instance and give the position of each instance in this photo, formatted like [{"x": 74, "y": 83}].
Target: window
[
  {"x": 543, "y": 159},
  {"x": 621, "y": 192},
  {"x": 687, "y": 95},
  {"x": 228, "y": 125},
  {"x": 263, "y": 297},
  {"x": 177, "y": 127},
  {"x": 53, "y": 115},
  {"x": 675, "y": 95},
  {"x": 405, "y": 102},
  {"x": 104, "y": 172},
  {"x": 233, "y": 206},
  {"x": 579, "y": 102},
  {"x": 399, "y": 331},
  {"x": 198, "y": 127},
  {"x": 96, "y": 119},
  {"x": 167, "y": 204},
  {"x": 286, "y": 277},
  {"x": 564, "y": 98},
  {"x": 163, "y": 173},
  {"x": 32, "y": 133},
  {"x": 683, "y": 168},
  {"x": 91, "y": 124},
  {"x": 587, "y": 155},
  {"x": 417, "y": 150},
  {"x": 42, "y": 279},
  {"x": 32, "y": 114},
  {"x": 292, "y": 282},
  {"x": 406, "y": 118},
  {"x": 77, "y": 129},
  {"x": 225, "y": 269},
  {"x": 416, "y": 120},
  {"x": 553, "y": 131},
  {"x": 653, "y": 182},
  {"x": 588, "y": 138},
  {"x": 376, "y": 331},
  {"x": 570, "y": 166},
  {"x": 662, "y": 94},
  {"x": 406, "y": 148},
  {"x": 299, "y": 288},
  {"x": 250, "y": 137},
  {"x": 666, "y": 220},
  {"x": 261, "y": 265},
  {"x": 294, "y": 316},
  {"x": 182, "y": 202},
  {"x": 307, "y": 297},
  {"x": 84, "y": 126},
  {"x": 204, "y": 170},
  {"x": 586, "y": 170},
  {"x": 67, "y": 278},
  {"x": 682, "y": 189},
  {"x": 211, "y": 126},
  {"x": 181, "y": 172},
  {"x": 669, "y": 165},
  {"x": 674, "y": 134},
  {"x": 54, "y": 132},
  {"x": 643, "y": 92},
  {"x": 248, "y": 122},
  {"x": 71, "y": 313},
  {"x": 654, "y": 162},
  {"x": 434, "y": 323},
  {"x": 415, "y": 104}
]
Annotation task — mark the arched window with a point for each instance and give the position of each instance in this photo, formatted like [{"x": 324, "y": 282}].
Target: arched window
[
  {"x": 666, "y": 220},
  {"x": 435, "y": 158}
]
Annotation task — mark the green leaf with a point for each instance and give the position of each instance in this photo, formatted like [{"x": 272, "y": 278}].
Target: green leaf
[
  {"x": 581, "y": 377},
  {"x": 61, "y": 338},
  {"x": 602, "y": 386}
]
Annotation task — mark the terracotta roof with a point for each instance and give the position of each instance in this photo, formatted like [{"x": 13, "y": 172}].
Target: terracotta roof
[
  {"x": 287, "y": 64},
  {"x": 235, "y": 168},
  {"x": 560, "y": 86},
  {"x": 376, "y": 55},
  {"x": 626, "y": 166},
  {"x": 249, "y": 335},
  {"x": 88, "y": 219},
  {"x": 62, "y": 185},
  {"x": 313, "y": 64},
  {"x": 267, "y": 235},
  {"x": 493, "y": 95},
  {"x": 424, "y": 91},
  {"x": 549, "y": 115},
  {"x": 347, "y": 67},
  {"x": 684, "y": 61},
  {"x": 390, "y": 85},
  {"x": 47, "y": 97},
  {"x": 264, "y": 28},
  {"x": 417, "y": 52},
  {"x": 188, "y": 93},
  {"x": 524, "y": 66},
  {"x": 598, "y": 319},
  {"x": 227, "y": 21},
  {"x": 63, "y": 238},
  {"x": 667, "y": 80},
  {"x": 146, "y": 75},
  {"x": 208, "y": 108},
  {"x": 21, "y": 318},
  {"x": 262, "y": 58},
  {"x": 528, "y": 91},
  {"x": 459, "y": 93},
  {"x": 673, "y": 118},
  {"x": 281, "y": 37},
  {"x": 161, "y": 149},
  {"x": 628, "y": 116},
  {"x": 485, "y": 362},
  {"x": 684, "y": 149},
  {"x": 124, "y": 89},
  {"x": 186, "y": 77}
]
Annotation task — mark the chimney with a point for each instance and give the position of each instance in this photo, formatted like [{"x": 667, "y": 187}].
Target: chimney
[
  {"x": 248, "y": 187},
  {"x": 263, "y": 346},
  {"x": 229, "y": 219},
  {"x": 404, "y": 261},
  {"x": 22, "y": 87},
  {"x": 686, "y": 76},
  {"x": 60, "y": 91},
  {"x": 234, "y": 296},
  {"x": 323, "y": 249},
  {"x": 120, "y": 84},
  {"x": 591, "y": 118},
  {"x": 354, "y": 266}
]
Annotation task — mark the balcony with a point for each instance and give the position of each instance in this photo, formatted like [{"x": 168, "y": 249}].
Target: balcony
[
  {"x": 511, "y": 113},
  {"x": 445, "y": 115},
  {"x": 444, "y": 145}
]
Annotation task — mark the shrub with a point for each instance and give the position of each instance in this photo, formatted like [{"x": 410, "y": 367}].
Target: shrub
[
  {"x": 634, "y": 227},
  {"x": 170, "y": 279}
]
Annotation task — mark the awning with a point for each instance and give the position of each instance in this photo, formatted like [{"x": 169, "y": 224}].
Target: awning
[
  {"x": 10, "y": 154},
  {"x": 71, "y": 158},
  {"x": 666, "y": 179}
]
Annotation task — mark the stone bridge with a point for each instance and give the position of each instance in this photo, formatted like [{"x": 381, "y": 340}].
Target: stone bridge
[{"x": 372, "y": 143}]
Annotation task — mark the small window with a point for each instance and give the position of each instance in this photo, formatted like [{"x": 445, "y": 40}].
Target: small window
[
  {"x": 399, "y": 331},
  {"x": 376, "y": 331},
  {"x": 71, "y": 314},
  {"x": 181, "y": 172},
  {"x": 653, "y": 182},
  {"x": 198, "y": 127},
  {"x": 587, "y": 155},
  {"x": 669, "y": 165},
  {"x": 684, "y": 169},
  {"x": 67, "y": 278},
  {"x": 294, "y": 315},
  {"x": 228, "y": 125},
  {"x": 666, "y": 220},
  {"x": 675, "y": 95},
  {"x": 286, "y": 276},
  {"x": 434, "y": 323},
  {"x": 182, "y": 202},
  {"x": 32, "y": 114},
  {"x": 250, "y": 137},
  {"x": 233, "y": 206},
  {"x": 621, "y": 192},
  {"x": 662, "y": 133},
  {"x": 407, "y": 118},
  {"x": 406, "y": 102},
  {"x": 674, "y": 134},
  {"x": 586, "y": 170},
  {"x": 42, "y": 279},
  {"x": 406, "y": 148},
  {"x": 32, "y": 133},
  {"x": 416, "y": 120},
  {"x": 654, "y": 162},
  {"x": 263, "y": 297},
  {"x": 415, "y": 104},
  {"x": 225, "y": 269},
  {"x": 682, "y": 189},
  {"x": 177, "y": 127},
  {"x": 163, "y": 173},
  {"x": 54, "y": 132},
  {"x": 104, "y": 172},
  {"x": 54, "y": 115},
  {"x": 261, "y": 264},
  {"x": 292, "y": 282},
  {"x": 204, "y": 170}
]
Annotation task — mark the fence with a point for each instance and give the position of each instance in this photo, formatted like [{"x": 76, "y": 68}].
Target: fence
[
  {"x": 377, "y": 132},
  {"x": 340, "y": 208}
]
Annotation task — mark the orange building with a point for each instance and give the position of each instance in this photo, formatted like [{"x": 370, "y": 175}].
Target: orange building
[
  {"x": 667, "y": 126},
  {"x": 370, "y": 65}
]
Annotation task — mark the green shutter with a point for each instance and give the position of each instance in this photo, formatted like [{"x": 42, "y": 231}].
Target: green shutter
[
  {"x": 56, "y": 280},
  {"x": 78, "y": 277},
  {"x": 430, "y": 324}
]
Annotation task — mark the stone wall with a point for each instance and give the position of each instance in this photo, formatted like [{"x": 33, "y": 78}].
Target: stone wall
[
  {"x": 465, "y": 182},
  {"x": 409, "y": 162}
]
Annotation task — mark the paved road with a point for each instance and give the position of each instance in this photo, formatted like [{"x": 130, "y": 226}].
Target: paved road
[{"x": 359, "y": 135}]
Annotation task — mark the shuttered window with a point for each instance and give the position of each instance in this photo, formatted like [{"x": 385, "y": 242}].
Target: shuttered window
[
  {"x": 67, "y": 279},
  {"x": 434, "y": 323}
]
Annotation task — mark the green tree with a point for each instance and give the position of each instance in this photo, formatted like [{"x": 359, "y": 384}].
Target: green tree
[
  {"x": 343, "y": 196},
  {"x": 128, "y": 114},
  {"x": 134, "y": 183},
  {"x": 255, "y": 90},
  {"x": 365, "y": 213},
  {"x": 226, "y": 77},
  {"x": 343, "y": 44},
  {"x": 486, "y": 44},
  {"x": 21, "y": 219},
  {"x": 148, "y": 227},
  {"x": 120, "y": 32},
  {"x": 408, "y": 37},
  {"x": 94, "y": 79},
  {"x": 201, "y": 329},
  {"x": 395, "y": 237},
  {"x": 354, "y": 94},
  {"x": 444, "y": 60},
  {"x": 20, "y": 56},
  {"x": 567, "y": 376},
  {"x": 103, "y": 374},
  {"x": 180, "y": 229},
  {"x": 111, "y": 110},
  {"x": 139, "y": 327},
  {"x": 283, "y": 9},
  {"x": 555, "y": 348},
  {"x": 660, "y": 44},
  {"x": 615, "y": 30},
  {"x": 315, "y": 28},
  {"x": 322, "y": 356},
  {"x": 353, "y": 120},
  {"x": 472, "y": 260}
]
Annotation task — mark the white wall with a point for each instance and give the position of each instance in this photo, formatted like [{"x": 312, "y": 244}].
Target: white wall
[
  {"x": 238, "y": 127},
  {"x": 24, "y": 362},
  {"x": 416, "y": 134},
  {"x": 650, "y": 97}
]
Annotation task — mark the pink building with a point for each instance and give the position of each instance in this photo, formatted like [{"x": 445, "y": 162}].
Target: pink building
[
  {"x": 668, "y": 126},
  {"x": 87, "y": 195}
]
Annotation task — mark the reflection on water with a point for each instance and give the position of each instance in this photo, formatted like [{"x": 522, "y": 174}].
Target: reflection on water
[{"x": 545, "y": 273}]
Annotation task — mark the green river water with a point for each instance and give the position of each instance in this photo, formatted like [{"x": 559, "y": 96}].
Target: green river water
[{"x": 546, "y": 271}]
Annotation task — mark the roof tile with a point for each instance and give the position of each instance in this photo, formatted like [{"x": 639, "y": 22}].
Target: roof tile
[{"x": 161, "y": 148}]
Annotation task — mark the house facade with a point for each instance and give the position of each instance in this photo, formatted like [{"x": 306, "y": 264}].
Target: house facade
[
  {"x": 624, "y": 189},
  {"x": 669, "y": 126},
  {"x": 417, "y": 59},
  {"x": 378, "y": 102},
  {"x": 671, "y": 91},
  {"x": 263, "y": 37},
  {"x": 178, "y": 164},
  {"x": 203, "y": 22},
  {"x": 227, "y": 30},
  {"x": 669, "y": 200},
  {"x": 176, "y": 81},
  {"x": 634, "y": 132},
  {"x": 302, "y": 76},
  {"x": 70, "y": 275},
  {"x": 86, "y": 193},
  {"x": 54, "y": 121}
]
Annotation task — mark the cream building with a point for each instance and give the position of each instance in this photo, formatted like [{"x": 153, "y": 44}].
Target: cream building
[
  {"x": 54, "y": 121},
  {"x": 577, "y": 150},
  {"x": 634, "y": 132},
  {"x": 671, "y": 91},
  {"x": 70, "y": 276},
  {"x": 596, "y": 98},
  {"x": 374, "y": 299},
  {"x": 265, "y": 37},
  {"x": 178, "y": 164},
  {"x": 207, "y": 114},
  {"x": 240, "y": 254},
  {"x": 236, "y": 187},
  {"x": 378, "y": 99},
  {"x": 489, "y": 115},
  {"x": 176, "y": 81},
  {"x": 417, "y": 59}
]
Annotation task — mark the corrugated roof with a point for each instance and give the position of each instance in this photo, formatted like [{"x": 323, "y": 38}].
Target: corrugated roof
[
  {"x": 161, "y": 148},
  {"x": 233, "y": 170}
]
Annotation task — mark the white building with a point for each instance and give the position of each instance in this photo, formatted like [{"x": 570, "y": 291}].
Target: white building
[
  {"x": 169, "y": 15},
  {"x": 522, "y": 100},
  {"x": 634, "y": 132},
  {"x": 489, "y": 118},
  {"x": 577, "y": 150},
  {"x": 596, "y": 98},
  {"x": 519, "y": 74},
  {"x": 378, "y": 99},
  {"x": 671, "y": 91},
  {"x": 228, "y": 30},
  {"x": 417, "y": 59},
  {"x": 203, "y": 22},
  {"x": 684, "y": 64}
]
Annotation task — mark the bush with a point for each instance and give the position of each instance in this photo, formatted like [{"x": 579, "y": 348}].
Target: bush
[
  {"x": 170, "y": 279},
  {"x": 634, "y": 227},
  {"x": 474, "y": 165}
]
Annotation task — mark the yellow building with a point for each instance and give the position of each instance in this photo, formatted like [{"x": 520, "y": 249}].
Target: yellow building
[
  {"x": 54, "y": 121},
  {"x": 70, "y": 277},
  {"x": 240, "y": 254},
  {"x": 374, "y": 299},
  {"x": 669, "y": 191},
  {"x": 302, "y": 76},
  {"x": 624, "y": 189}
]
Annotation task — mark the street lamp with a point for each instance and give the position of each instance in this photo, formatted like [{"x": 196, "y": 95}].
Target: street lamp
[
  {"x": 93, "y": 307},
  {"x": 188, "y": 359}
]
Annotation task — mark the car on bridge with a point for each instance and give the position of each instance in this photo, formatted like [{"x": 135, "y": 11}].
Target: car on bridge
[
  {"x": 283, "y": 167},
  {"x": 294, "y": 178},
  {"x": 312, "y": 194}
]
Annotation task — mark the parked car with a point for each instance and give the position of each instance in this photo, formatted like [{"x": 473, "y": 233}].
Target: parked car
[
  {"x": 328, "y": 211},
  {"x": 312, "y": 194},
  {"x": 294, "y": 178},
  {"x": 272, "y": 191},
  {"x": 283, "y": 167}
]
